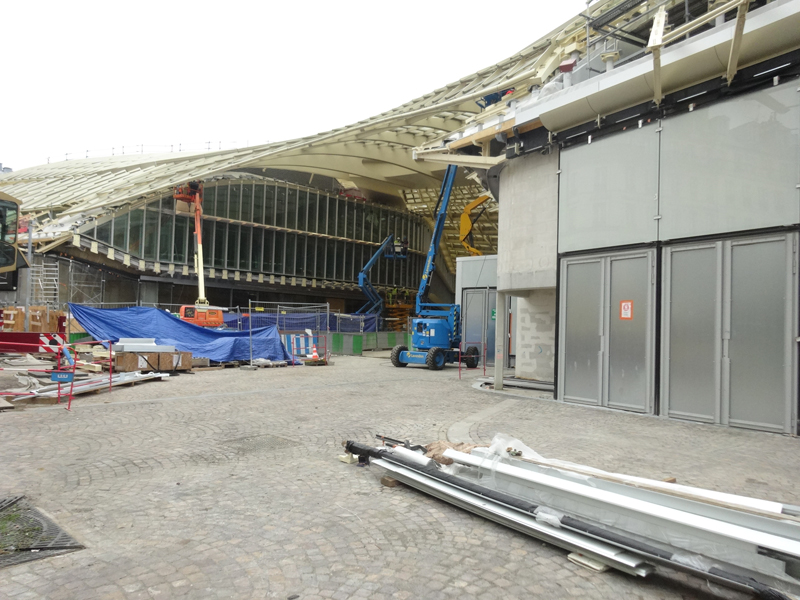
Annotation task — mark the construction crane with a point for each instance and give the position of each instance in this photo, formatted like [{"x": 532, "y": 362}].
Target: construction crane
[
  {"x": 189, "y": 199},
  {"x": 387, "y": 249},
  {"x": 468, "y": 223},
  {"x": 436, "y": 332}
]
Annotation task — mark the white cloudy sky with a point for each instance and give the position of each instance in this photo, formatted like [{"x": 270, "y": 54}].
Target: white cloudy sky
[{"x": 91, "y": 75}]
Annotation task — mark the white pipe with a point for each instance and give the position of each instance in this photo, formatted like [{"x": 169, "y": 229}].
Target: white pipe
[
  {"x": 714, "y": 526},
  {"x": 414, "y": 457}
]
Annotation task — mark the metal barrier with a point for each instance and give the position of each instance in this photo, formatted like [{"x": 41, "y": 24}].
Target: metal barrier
[
  {"x": 462, "y": 354},
  {"x": 314, "y": 344},
  {"x": 62, "y": 352}
]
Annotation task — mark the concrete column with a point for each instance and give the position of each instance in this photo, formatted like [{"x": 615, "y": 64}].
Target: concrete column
[{"x": 500, "y": 340}]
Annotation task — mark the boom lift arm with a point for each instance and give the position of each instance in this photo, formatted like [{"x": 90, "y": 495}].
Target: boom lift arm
[
  {"x": 468, "y": 223},
  {"x": 436, "y": 332},
  {"x": 374, "y": 305},
  {"x": 192, "y": 194},
  {"x": 425, "y": 308}
]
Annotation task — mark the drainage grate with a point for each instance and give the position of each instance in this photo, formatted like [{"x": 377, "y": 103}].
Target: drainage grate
[
  {"x": 259, "y": 443},
  {"x": 26, "y": 534}
]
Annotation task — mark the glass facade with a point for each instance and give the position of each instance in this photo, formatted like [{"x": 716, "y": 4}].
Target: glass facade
[{"x": 270, "y": 227}]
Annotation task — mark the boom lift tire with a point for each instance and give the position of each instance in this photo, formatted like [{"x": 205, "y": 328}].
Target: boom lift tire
[
  {"x": 471, "y": 357},
  {"x": 435, "y": 359},
  {"x": 396, "y": 356}
]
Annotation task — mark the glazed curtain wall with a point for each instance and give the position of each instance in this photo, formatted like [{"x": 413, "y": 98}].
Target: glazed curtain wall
[{"x": 155, "y": 232}]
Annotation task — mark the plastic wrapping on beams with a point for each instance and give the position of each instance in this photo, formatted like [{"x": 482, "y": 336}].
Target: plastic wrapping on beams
[
  {"x": 502, "y": 441},
  {"x": 549, "y": 516},
  {"x": 140, "y": 322},
  {"x": 649, "y": 521}
]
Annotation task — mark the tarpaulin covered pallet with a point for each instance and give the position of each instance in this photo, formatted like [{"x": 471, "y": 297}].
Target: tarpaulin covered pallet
[{"x": 140, "y": 322}]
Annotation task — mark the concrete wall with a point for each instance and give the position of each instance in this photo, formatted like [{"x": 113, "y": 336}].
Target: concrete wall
[
  {"x": 528, "y": 223},
  {"x": 536, "y": 335}
]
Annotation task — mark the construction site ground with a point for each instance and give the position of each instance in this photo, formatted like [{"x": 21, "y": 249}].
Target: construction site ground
[{"x": 226, "y": 484}]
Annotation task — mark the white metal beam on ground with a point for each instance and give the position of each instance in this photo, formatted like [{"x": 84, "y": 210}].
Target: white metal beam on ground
[
  {"x": 499, "y": 513},
  {"x": 666, "y": 515}
]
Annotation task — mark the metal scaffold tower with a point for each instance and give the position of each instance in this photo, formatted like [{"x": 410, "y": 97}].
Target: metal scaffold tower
[{"x": 45, "y": 283}]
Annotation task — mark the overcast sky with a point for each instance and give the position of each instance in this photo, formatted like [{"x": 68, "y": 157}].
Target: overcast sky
[{"x": 85, "y": 75}]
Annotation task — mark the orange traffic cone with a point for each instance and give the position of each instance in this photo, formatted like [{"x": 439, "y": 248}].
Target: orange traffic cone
[{"x": 314, "y": 355}]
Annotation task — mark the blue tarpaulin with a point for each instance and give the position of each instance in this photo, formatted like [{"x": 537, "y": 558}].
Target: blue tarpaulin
[{"x": 140, "y": 322}]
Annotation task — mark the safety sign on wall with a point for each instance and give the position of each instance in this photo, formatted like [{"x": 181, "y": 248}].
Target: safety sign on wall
[{"x": 626, "y": 310}]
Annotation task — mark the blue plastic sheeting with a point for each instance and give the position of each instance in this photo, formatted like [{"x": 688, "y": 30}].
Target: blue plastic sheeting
[
  {"x": 303, "y": 321},
  {"x": 140, "y": 322}
]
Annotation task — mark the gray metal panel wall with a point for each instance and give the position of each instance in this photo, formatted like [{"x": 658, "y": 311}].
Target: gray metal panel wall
[
  {"x": 608, "y": 191},
  {"x": 732, "y": 166}
]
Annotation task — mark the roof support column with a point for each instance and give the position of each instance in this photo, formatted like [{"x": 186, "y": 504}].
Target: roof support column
[
  {"x": 736, "y": 43},
  {"x": 654, "y": 46}
]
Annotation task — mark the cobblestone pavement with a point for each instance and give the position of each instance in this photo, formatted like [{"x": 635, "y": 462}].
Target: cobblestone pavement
[{"x": 225, "y": 484}]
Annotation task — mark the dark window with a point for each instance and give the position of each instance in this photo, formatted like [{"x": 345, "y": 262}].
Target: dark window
[
  {"x": 244, "y": 248},
  {"x": 269, "y": 204},
  {"x": 257, "y": 250},
  {"x": 135, "y": 236},
  {"x": 233, "y": 246},
  {"x": 222, "y": 200},
  {"x": 280, "y": 205},
  {"x": 269, "y": 241},
  {"x": 258, "y": 203},
  {"x": 279, "y": 254},
  {"x": 247, "y": 202},
  {"x": 121, "y": 232},
  {"x": 291, "y": 209},
  {"x": 209, "y": 199},
  {"x": 165, "y": 245},
  {"x": 220, "y": 235},
  {"x": 104, "y": 232}
]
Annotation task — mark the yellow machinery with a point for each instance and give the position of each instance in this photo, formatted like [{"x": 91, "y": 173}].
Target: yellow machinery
[{"x": 467, "y": 223}]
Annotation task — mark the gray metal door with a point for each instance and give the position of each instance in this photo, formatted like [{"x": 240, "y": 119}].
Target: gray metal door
[
  {"x": 473, "y": 317},
  {"x": 606, "y": 335},
  {"x": 758, "y": 327},
  {"x": 582, "y": 331},
  {"x": 691, "y": 332},
  {"x": 491, "y": 327},
  {"x": 729, "y": 351},
  {"x": 629, "y": 338}
]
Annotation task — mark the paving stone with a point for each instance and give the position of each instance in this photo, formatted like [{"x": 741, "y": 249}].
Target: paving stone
[{"x": 226, "y": 484}]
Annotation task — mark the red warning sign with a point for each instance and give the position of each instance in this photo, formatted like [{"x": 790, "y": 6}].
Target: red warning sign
[{"x": 626, "y": 310}]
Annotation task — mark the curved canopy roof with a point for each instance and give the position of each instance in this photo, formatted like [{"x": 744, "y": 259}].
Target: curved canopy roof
[{"x": 376, "y": 154}]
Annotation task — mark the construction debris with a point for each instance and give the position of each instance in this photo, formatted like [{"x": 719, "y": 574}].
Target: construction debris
[
  {"x": 80, "y": 387},
  {"x": 606, "y": 519},
  {"x": 435, "y": 450}
]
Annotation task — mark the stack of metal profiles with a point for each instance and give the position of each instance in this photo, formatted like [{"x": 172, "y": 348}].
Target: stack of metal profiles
[{"x": 627, "y": 523}]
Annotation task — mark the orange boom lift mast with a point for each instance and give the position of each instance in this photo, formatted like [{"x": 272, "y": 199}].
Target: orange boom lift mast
[{"x": 189, "y": 199}]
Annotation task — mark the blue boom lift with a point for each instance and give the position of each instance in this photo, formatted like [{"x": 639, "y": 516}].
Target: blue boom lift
[
  {"x": 374, "y": 305},
  {"x": 436, "y": 332}
]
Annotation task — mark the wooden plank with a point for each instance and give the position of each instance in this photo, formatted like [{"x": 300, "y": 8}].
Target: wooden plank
[{"x": 489, "y": 133}]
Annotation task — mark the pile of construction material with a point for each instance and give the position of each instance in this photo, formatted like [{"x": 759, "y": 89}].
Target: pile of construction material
[
  {"x": 143, "y": 354},
  {"x": 608, "y": 520},
  {"x": 42, "y": 319}
]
